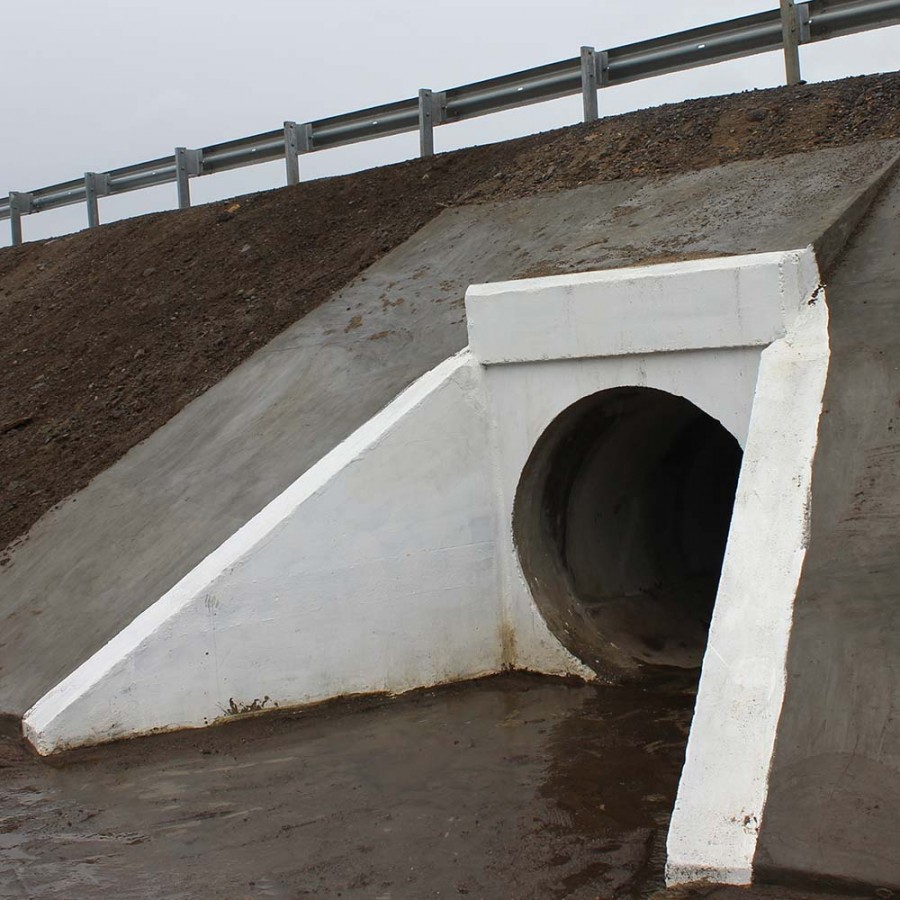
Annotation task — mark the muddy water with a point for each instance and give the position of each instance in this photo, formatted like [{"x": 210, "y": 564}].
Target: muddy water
[{"x": 513, "y": 787}]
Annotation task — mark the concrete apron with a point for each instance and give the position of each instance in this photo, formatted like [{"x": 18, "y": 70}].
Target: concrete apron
[{"x": 396, "y": 551}]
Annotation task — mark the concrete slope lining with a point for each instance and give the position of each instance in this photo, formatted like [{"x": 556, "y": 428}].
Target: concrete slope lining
[
  {"x": 761, "y": 369},
  {"x": 95, "y": 563},
  {"x": 834, "y": 799},
  {"x": 832, "y": 242}
]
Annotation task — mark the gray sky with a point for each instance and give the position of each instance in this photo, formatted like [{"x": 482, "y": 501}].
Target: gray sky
[{"x": 97, "y": 84}]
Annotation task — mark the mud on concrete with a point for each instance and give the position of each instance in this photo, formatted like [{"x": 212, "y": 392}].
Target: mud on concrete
[
  {"x": 108, "y": 333},
  {"x": 514, "y": 787}
]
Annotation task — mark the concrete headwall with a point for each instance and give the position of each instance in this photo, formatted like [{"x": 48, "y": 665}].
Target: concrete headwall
[{"x": 767, "y": 391}]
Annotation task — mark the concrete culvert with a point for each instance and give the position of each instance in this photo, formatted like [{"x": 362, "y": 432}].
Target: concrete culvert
[{"x": 621, "y": 520}]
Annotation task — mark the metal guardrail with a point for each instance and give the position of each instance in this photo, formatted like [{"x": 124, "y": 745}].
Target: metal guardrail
[{"x": 785, "y": 28}]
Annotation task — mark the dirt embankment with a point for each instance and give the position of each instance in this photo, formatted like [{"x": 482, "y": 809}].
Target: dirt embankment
[{"x": 107, "y": 334}]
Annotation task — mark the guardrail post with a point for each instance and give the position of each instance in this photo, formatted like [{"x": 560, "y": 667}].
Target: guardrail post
[
  {"x": 790, "y": 31},
  {"x": 426, "y": 122},
  {"x": 19, "y": 205},
  {"x": 187, "y": 165},
  {"x": 589, "y": 83},
  {"x": 291, "y": 153},
  {"x": 96, "y": 185}
]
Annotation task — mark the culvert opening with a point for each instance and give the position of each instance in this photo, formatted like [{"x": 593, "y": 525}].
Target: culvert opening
[{"x": 621, "y": 520}]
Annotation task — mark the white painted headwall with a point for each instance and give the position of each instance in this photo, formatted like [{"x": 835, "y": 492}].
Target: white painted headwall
[{"x": 390, "y": 564}]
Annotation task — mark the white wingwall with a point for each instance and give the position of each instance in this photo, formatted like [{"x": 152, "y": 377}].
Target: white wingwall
[{"x": 375, "y": 571}]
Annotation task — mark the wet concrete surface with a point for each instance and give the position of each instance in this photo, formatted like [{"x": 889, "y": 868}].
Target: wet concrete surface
[{"x": 513, "y": 787}]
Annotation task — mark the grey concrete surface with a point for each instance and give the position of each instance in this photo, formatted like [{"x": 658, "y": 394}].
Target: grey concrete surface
[
  {"x": 834, "y": 795},
  {"x": 103, "y": 556}
]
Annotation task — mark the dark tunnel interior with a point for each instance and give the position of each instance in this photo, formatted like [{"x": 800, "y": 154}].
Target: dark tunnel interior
[{"x": 621, "y": 520}]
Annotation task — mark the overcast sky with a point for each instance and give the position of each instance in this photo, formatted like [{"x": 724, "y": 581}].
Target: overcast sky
[{"x": 97, "y": 84}]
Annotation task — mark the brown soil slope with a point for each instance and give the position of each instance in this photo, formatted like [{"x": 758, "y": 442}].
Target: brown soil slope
[{"x": 107, "y": 334}]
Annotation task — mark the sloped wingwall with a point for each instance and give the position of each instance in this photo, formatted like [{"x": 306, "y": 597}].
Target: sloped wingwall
[{"x": 374, "y": 572}]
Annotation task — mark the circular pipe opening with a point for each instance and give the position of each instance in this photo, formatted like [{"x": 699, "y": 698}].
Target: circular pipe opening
[{"x": 620, "y": 520}]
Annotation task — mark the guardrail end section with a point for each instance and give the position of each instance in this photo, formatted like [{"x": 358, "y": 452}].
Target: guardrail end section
[{"x": 19, "y": 205}]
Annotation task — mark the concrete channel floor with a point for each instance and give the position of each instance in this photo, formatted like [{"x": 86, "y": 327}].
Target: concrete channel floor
[{"x": 511, "y": 787}]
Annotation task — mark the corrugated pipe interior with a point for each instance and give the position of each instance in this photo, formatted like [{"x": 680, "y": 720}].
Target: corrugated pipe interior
[{"x": 621, "y": 519}]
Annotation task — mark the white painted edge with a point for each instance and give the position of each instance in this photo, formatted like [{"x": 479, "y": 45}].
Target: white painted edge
[
  {"x": 38, "y": 722},
  {"x": 724, "y": 785},
  {"x": 737, "y": 301}
]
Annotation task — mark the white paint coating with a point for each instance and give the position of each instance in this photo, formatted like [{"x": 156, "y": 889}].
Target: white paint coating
[
  {"x": 722, "y": 793},
  {"x": 375, "y": 571},
  {"x": 710, "y": 303},
  {"x": 390, "y": 564}
]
